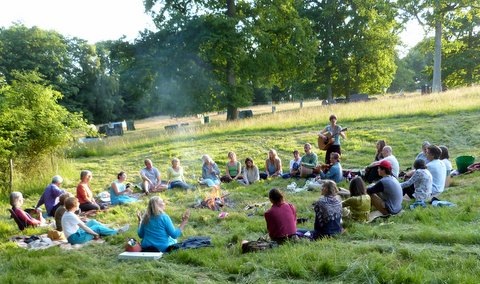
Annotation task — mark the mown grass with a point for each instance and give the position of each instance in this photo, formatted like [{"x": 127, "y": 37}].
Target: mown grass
[{"x": 424, "y": 245}]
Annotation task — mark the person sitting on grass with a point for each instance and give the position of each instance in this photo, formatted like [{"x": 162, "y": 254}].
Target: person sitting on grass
[
  {"x": 156, "y": 229},
  {"x": 308, "y": 161},
  {"x": 371, "y": 173},
  {"x": 281, "y": 218},
  {"x": 151, "y": 180},
  {"x": 78, "y": 232},
  {"x": 233, "y": 169},
  {"x": 273, "y": 165},
  {"x": 444, "y": 157},
  {"x": 50, "y": 196},
  {"x": 423, "y": 154},
  {"x": 210, "y": 172},
  {"x": 120, "y": 192},
  {"x": 16, "y": 200},
  {"x": 328, "y": 212},
  {"x": 85, "y": 195},
  {"x": 419, "y": 185},
  {"x": 386, "y": 194},
  {"x": 294, "y": 167},
  {"x": 437, "y": 169},
  {"x": 61, "y": 210},
  {"x": 359, "y": 202},
  {"x": 250, "y": 172},
  {"x": 379, "y": 146},
  {"x": 175, "y": 176},
  {"x": 334, "y": 172}
]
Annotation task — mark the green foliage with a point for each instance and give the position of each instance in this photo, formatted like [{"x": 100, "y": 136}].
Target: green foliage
[{"x": 32, "y": 124}]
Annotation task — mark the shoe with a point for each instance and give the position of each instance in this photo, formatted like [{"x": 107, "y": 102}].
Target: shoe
[{"x": 123, "y": 229}]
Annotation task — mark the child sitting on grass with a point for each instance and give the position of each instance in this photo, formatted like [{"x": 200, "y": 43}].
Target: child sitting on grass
[{"x": 78, "y": 232}]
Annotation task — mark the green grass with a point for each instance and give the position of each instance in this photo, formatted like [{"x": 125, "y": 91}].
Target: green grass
[{"x": 425, "y": 245}]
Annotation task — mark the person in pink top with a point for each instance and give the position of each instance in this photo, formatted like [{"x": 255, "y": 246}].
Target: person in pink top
[{"x": 281, "y": 218}]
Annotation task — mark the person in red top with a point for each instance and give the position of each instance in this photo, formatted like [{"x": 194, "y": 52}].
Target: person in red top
[
  {"x": 16, "y": 200},
  {"x": 84, "y": 194},
  {"x": 281, "y": 218}
]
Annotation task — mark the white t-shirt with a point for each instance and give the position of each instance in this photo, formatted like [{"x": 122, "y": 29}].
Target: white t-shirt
[
  {"x": 70, "y": 223},
  {"x": 448, "y": 165},
  {"x": 395, "y": 166}
]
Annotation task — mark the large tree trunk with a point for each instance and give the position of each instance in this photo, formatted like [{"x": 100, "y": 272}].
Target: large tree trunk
[
  {"x": 232, "y": 111},
  {"x": 437, "y": 60}
]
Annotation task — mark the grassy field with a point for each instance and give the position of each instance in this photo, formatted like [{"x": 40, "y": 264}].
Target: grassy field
[{"x": 436, "y": 245}]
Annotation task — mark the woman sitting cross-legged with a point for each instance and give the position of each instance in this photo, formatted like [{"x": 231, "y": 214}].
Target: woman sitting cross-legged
[
  {"x": 210, "y": 172},
  {"x": 120, "y": 192},
  {"x": 78, "y": 232},
  {"x": 250, "y": 172},
  {"x": 328, "y": 212},
  {"x": 273, "y": 165},
  {"x": 16, "y": 200},
  {"x": 233, "y": 169},
  {"x": 84, "y": 193},
  {"x": 156, "y": 228},
  {"x": 175, "y": 176},
  {"x": 357, "y": 206},
  {"x": 419, "y": 185}
]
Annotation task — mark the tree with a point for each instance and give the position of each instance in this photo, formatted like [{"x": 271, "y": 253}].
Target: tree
[
  {"x": 233, "y": 44},
  {"x": 462, "y": 48},
  {"x": 32, "y": 123},
  {"x": 356, "y": 50},
  {"x": 433, "y": 14}
]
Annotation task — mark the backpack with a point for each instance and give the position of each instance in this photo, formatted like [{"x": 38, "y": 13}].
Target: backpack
[{"x": 258, "y": 245}]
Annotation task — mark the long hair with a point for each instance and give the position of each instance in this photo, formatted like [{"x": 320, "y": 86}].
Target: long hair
[
  {"x": 153, "y": 209},
  {"x": 444, "y": 154},
  {"x": 357, "y": 187},
  {"x": 381, "y": 144},
  {"x": 248, "y": 159}
]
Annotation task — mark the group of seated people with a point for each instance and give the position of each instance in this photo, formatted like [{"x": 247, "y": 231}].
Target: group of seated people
[
  {"x": 428, "y": 179},
  {"x": 305, "y": 166}
]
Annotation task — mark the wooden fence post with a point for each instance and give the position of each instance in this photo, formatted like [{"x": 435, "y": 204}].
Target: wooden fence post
[{"x": 11, "y": 175}]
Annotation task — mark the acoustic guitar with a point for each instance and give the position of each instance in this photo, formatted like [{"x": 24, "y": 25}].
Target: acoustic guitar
[{"x": 323, "y": 144}]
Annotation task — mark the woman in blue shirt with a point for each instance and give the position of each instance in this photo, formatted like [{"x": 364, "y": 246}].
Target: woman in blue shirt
[{"x": 156, "y": 228}]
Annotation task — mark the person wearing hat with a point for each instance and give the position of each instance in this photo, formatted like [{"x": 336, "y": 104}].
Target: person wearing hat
[
  {"x": 50, "y": 196},
  {"x": 386, "y": 194}
]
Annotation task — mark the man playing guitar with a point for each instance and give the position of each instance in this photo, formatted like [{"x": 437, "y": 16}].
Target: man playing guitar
[{"x": 331, "y": 133}]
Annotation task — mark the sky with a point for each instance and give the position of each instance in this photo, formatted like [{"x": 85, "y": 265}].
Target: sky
[{"x": 98, "y": 20}]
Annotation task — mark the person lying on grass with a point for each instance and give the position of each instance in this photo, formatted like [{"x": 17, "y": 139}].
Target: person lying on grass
[{"x": 78, "y": 232}]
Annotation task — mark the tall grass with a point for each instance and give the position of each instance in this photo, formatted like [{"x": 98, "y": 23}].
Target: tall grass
[{"x": 423, "y": 245}]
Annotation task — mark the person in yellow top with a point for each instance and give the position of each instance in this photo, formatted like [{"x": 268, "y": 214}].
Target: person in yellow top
[{"x": 358, "y": 203}]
